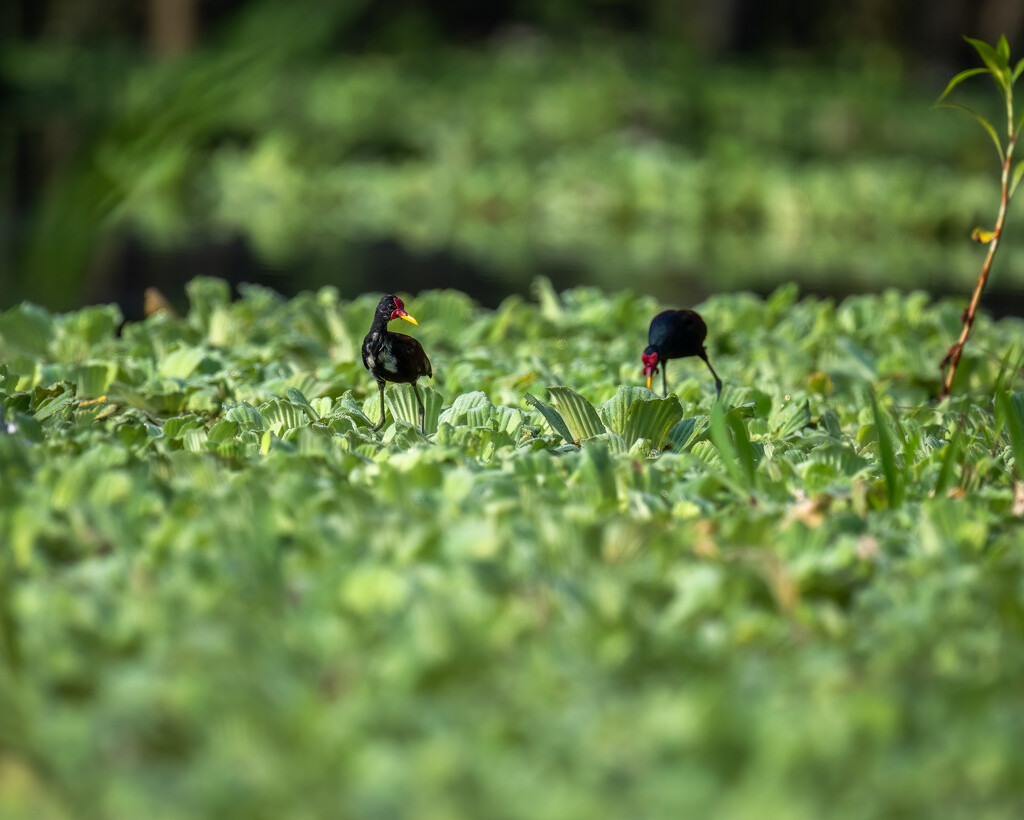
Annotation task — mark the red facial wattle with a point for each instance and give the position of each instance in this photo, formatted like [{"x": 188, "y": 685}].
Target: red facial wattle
[
  {"x": 650, "y": 361},
  {"x": 399, "y": 312}
]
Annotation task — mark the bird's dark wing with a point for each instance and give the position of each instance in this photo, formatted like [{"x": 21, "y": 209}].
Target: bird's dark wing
[{"x": 411, "y": 358}]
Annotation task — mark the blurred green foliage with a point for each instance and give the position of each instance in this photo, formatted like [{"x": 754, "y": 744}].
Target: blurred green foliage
[
  {"x": 222, "y": 594},
  {"x": 614, "y": 157}
]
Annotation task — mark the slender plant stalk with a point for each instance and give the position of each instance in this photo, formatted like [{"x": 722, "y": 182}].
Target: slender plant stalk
[
  {"x": 996, "y": 62},
  {"x": 952, "y": 359}
]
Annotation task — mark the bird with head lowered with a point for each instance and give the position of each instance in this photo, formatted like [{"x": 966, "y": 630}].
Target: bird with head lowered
[
  {"x": 675, "y": 334},
  {"x": 394, "y": 357}
]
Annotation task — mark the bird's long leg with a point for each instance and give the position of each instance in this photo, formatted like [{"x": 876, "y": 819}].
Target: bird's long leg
[
  {"x": 718, "y": 381},
  {"x": 664, "y": 380},
  {"x": 423, "y": 412},
  {"x": 381, "y": 422}
]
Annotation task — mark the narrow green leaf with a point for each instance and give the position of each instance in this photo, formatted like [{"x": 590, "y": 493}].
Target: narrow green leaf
[
  {"x": 51, "y": 405},
  {"x": 984, "y": 124},
  {"x": 951, "y": 456},
  {"x": 1018, "y": 172},
  {"x": 998, "y": 65},
  {"x": 887, "y": 454},
  {"x": 727, "y": 447},
  {"x": 959, "y": 78},
  {"x": 1003, "y": 51},
  {"x": 1011, "y": 406},
  {"x": 580, "y": 415},
  {"x": 552, "y": 417},
  {"x": 1017, "y": 69}
]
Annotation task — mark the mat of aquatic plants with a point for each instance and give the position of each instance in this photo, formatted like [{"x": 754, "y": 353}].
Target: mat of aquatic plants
[{"x": 222, "y": 594}]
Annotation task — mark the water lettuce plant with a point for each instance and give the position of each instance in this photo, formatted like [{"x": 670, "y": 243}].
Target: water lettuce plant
[{"x": 221, "y": 593}]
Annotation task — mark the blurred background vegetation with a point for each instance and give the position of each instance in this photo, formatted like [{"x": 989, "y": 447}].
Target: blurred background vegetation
[{"x": 678, "y": 148}]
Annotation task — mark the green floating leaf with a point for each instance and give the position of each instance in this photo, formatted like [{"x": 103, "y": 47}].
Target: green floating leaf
[
  {"x": 401, "y": 401},
  {"x": 580, "y": 415},
  {"x": 281, "y": 415},
  {"x": 180, "y": 363},
  {"x": 652, "y": 419},
  {"x": 223, "y": 430},
  {"x": 687, "y": 432},
  {"x": 93, "y": 379},
  {"x": 53, "y": 404},
  {"x": 552, "y": 417},
  {"x": 28, "y": 329},
  {"x": 615, "y": 411},
  {"x": 791, "y": 419},
  {"x": 466, "y": 405},
  {"x": 247, "y": 417},
  {"x": 295, "y": 396}
]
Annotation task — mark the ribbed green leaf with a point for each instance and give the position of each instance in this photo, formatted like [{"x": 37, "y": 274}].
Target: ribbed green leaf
[
  {"x": 180, "y": 363},
  {"x": 615, "y": 411},
  {"x": 247, "y": 417},
  {"x": 552, "y": 417},
  {"x": 296, "y": 397},
  {"x": 281, "y": 415},
  {"x": 580, "y": 415},
  {"x": 93, "y": 379},
  {"x": 401, "y": 401},
  {"x": 223, "y": 430},
  {"x": 463, "y": 406},
  {"x": 53, "y": 404},
  {"x": 27, "y": 328},
  {"x": 652, "y": 419},
  {"x": 791, "y": 419},
  {"x": 614, "y": 443},
  {"x": 687, "y": 431}
]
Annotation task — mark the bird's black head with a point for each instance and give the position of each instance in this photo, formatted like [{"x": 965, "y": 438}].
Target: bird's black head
[{"x": 391, "y": 307}]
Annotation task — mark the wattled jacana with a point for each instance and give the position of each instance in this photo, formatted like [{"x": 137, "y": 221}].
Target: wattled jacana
[
  {"x": 675, "y": 334},
  {"x": 394, "y": 357}
]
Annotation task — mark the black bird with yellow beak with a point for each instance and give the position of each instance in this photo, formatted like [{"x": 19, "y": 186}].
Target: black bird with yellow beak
[
  {"x": 394, "y": 357},
  {"x": 675, "y": 334}
]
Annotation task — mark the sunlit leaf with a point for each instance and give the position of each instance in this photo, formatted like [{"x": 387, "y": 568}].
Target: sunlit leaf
[
  {"x": 401, "y": 401},
  {"x": 579, "y": 415},
  {"x": 552, "y": 417},
  {"x": 959, "y": 78}
]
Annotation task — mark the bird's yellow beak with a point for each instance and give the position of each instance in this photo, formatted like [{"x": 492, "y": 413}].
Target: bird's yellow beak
[
  {"x": 407, "y": 317},
  {"x": 649, "y": 377}
]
